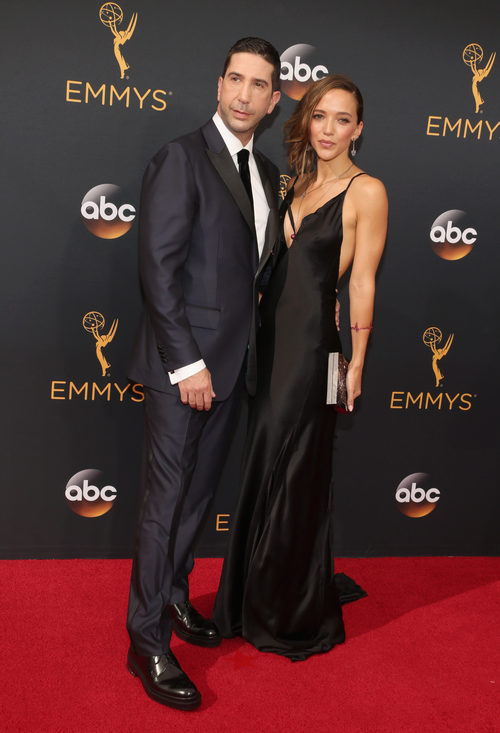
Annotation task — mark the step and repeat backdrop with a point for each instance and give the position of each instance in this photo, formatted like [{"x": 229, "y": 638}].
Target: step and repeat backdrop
[{"x": 90, "y": 92}]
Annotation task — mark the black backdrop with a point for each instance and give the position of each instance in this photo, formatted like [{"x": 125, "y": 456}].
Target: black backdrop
[{"x": 416, "y": 465}]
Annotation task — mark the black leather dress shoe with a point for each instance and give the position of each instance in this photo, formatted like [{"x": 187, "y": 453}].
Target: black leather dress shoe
[
  {"x": 164, "y": 680},
  {"x": 191, "y": 626}
]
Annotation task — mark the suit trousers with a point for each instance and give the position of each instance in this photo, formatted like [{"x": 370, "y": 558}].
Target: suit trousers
[{"x": 183, "y": 456}]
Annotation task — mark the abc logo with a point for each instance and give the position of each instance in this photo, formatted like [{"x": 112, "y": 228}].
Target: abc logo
[
  {"x": 296, "y": 74},
  {"x": 416, "y": 496},
  {"x": 451, "y": 238},
  {"x": 105, "y": 214},
  {"x": 86, "y": 495}
]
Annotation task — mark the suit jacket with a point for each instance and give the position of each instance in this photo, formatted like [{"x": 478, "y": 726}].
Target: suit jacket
[{"x": 198, "y": 262}]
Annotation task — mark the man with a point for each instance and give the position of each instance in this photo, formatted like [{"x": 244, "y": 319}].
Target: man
[{"x": 208, "y": 215}]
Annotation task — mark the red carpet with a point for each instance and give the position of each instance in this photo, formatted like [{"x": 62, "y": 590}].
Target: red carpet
[{"x": 423, "y": 655}]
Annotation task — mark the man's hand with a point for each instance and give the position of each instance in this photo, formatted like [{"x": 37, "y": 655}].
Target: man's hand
[{"x": 196, "y": 391}]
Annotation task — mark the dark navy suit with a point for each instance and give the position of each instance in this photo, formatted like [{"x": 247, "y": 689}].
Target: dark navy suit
[{"x": 198, "y": 264}]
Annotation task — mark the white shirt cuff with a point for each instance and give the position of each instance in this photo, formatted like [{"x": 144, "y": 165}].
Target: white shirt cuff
[{"x": 176, "y": 375}]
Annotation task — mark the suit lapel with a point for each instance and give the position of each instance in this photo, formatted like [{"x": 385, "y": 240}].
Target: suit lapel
[
  {"x": 223, "y": 163},
  {"x": 273, "y": 220},
  {"x": 271, "y": 195}
]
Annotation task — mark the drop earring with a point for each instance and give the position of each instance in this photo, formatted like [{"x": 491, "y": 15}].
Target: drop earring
[{"x": 353, "y": 150}]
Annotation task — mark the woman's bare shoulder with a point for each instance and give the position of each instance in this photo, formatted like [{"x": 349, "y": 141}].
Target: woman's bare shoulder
[{"x": 367, "y": 185}]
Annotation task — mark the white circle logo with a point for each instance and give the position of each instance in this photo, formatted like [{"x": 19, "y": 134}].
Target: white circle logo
[
  {"x": 86, "y": 495},
  {"x": 297, "y": 74},
  {"x": 104, "y": 213},
  {"x": 451, "y": 237},
  {"x": 416, "y": 496}
]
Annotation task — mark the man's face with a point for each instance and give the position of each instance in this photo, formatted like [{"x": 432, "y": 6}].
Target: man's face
[{"x": 245, "y": 94}]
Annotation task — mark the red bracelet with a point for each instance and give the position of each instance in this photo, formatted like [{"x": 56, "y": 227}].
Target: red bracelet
[{"x": 361, "y": 328}]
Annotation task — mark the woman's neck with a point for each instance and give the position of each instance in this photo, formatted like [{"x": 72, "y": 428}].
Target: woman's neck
[{"x": 333, "y": 169}]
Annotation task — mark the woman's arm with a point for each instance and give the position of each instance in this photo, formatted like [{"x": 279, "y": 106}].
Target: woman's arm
[{"x": 370, "y": 201}]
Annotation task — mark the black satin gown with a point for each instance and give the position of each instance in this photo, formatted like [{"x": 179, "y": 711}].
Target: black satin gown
[{"x": 277, "y": 588}]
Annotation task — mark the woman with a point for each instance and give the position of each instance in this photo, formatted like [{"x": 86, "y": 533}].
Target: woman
[{"x": 277, "y": 586}]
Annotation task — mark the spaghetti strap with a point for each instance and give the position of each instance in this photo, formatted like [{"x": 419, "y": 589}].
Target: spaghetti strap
[
  {"x": 289, "y": 209},
  {"x": 363, "y": 173}
]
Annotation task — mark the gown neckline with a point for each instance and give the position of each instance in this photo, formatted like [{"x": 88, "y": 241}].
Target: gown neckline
[{"x": 312, "y": 213}]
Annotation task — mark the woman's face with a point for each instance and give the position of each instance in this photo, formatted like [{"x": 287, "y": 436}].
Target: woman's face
[{"x": 334, "y": 124}]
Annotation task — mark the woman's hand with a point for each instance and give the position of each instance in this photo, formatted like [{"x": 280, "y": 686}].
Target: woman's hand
[{"x": 353, "y": 383}]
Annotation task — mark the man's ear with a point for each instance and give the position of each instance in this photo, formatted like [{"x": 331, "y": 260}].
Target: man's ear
[{"x": 275, "y": 98}]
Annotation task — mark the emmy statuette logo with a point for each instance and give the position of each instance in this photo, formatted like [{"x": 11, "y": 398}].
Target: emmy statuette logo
[
  {"x": 431, "y": 338},
  {"x": 436, "y": 399},
  {"x": 102, "y": 388},
  {"x": 284, "y": 178},
  {"x": 93, "y": 322},
  {"x": 100, "y": 92},
  {"x": 111, "y": 15},
  {"x": 472, "y": 55},
  {"x": 463, "y": 127}
]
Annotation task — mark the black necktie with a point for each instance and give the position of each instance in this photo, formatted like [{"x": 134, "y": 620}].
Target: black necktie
[{"x": 243, "y": 156}]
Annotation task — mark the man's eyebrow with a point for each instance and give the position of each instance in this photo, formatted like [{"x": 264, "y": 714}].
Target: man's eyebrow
[{"x": 241, "y": 75}]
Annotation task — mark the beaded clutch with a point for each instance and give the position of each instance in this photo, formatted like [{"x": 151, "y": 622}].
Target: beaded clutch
[{"x": 336, "y": 388}]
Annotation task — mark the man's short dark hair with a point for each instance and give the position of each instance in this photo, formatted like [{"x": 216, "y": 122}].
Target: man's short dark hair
[{"x": 261, "y": 48}]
